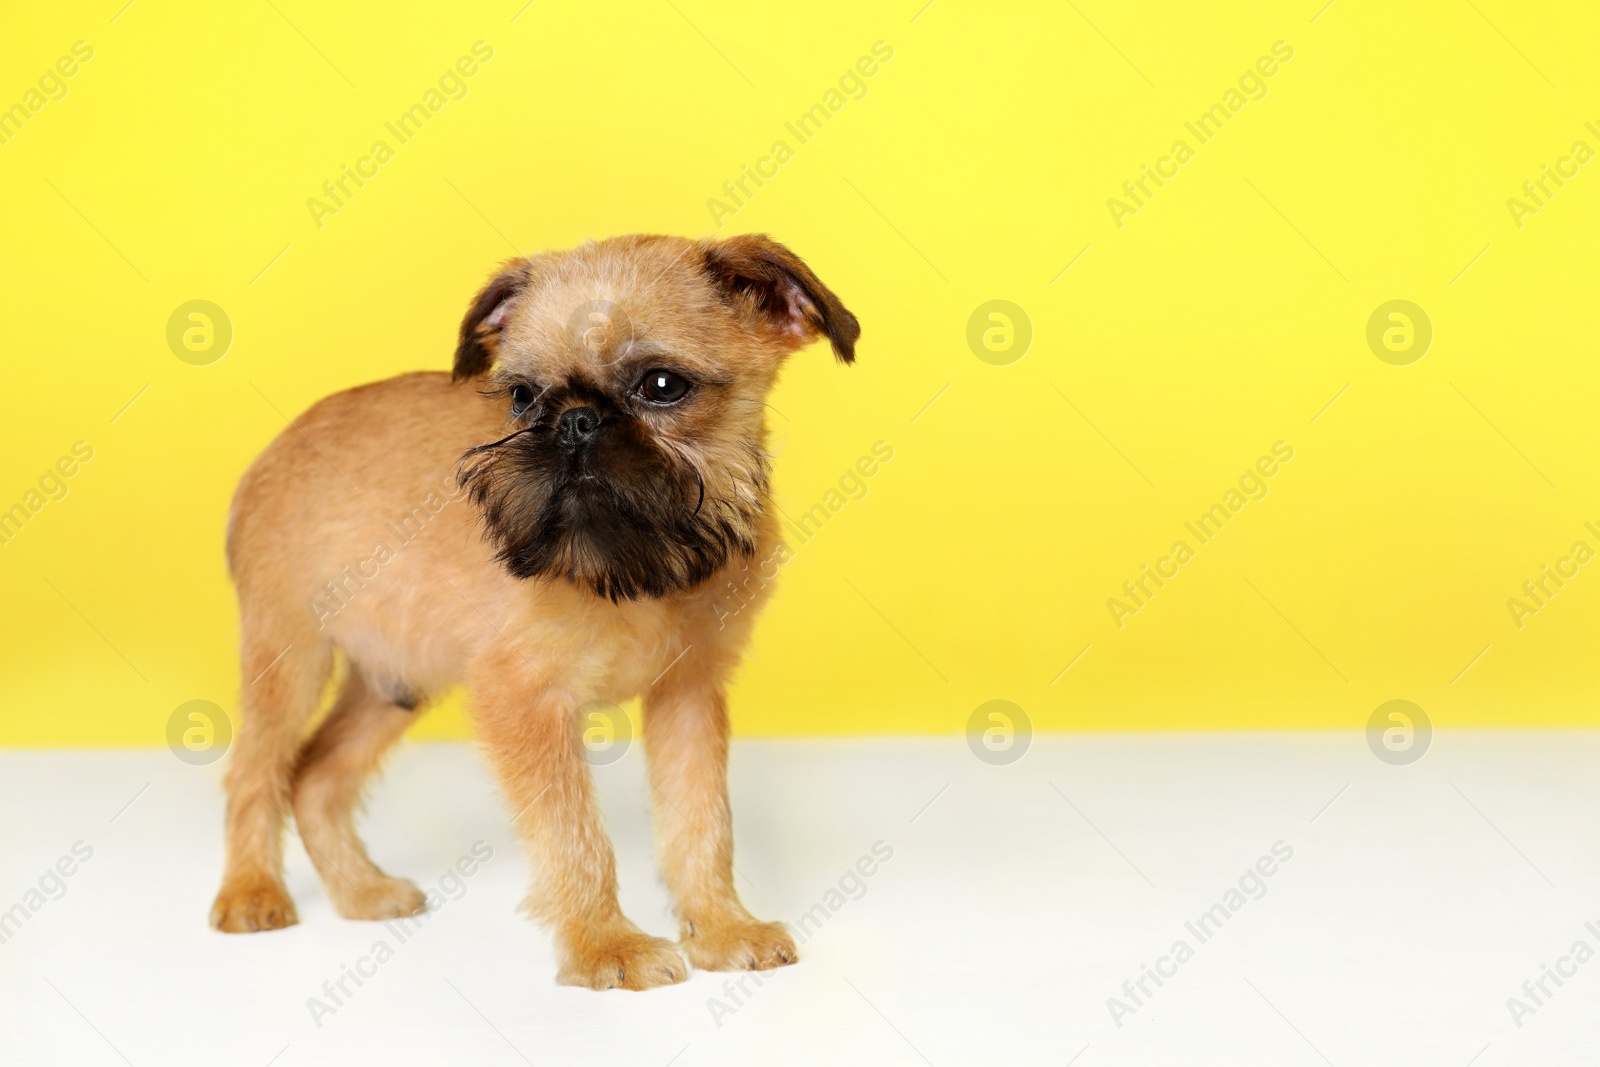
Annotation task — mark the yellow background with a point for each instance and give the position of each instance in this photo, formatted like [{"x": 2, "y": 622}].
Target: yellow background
[{"x": 1221, "y": 318}]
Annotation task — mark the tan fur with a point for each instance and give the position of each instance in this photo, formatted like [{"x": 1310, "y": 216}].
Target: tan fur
[{"x": 440, "y": 611}]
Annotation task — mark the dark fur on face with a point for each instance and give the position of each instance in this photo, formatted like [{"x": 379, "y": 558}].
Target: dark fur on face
[
  {"x": 655, "y": 494},
  {"x": 617, "y": 513}
]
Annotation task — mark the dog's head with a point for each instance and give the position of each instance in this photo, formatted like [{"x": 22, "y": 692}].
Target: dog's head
[{"x": 634, "y": 374}]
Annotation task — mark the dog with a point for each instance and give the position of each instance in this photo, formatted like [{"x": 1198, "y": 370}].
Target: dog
[{"x": 605, "y": 425}]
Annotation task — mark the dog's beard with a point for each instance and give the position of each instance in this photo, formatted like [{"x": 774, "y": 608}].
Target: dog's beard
[{"x": 626, "y": 521}]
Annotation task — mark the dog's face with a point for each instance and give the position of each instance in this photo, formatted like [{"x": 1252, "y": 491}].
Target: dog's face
[{"x": 634, "y": 374}]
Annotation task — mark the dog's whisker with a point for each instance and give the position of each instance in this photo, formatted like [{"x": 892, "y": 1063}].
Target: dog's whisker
[
  {"x": 496, "y": 444},
  {"x": 701, "y": 482}
]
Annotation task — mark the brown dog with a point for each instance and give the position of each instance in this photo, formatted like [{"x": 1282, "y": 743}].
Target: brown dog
[{"x": 605, "y": 424}]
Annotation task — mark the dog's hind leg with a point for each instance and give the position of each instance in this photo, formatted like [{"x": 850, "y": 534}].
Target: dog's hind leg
[
  {"x": 284, "y": 673},
  {"x": 363, "y": 725}
]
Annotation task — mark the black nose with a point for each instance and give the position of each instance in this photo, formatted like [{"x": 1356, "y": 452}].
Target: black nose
[{"x": 577, "y": 426}]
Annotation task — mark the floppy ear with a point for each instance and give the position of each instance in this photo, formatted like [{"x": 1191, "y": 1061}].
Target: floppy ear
[
  {"x": 480, "y": 330},
  {"x": 772, "y": 284}
]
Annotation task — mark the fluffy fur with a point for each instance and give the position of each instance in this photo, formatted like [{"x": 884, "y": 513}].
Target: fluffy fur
[{"x": 536, "y": 527}]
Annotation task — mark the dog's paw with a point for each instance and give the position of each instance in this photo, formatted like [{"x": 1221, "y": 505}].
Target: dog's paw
[
  {"x": 624, "y": 958},
  {"x": 739, "y": 945},
  {"x": 384, "y": 898},
  {"x": 251, "y": 906}
]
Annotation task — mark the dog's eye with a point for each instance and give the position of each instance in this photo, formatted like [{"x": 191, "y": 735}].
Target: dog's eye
[
  {"x": 521, "y": 399},
  {"x": 663, "y": 387}
]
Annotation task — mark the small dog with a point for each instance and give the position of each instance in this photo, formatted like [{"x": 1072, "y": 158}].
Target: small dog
[{"x": 605, "y": 428}]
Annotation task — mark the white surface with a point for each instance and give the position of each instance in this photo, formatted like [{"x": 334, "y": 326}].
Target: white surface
[{"x": 995, "y": 934}]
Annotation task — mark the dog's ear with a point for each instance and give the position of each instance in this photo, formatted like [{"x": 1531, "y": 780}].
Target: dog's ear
[
  {"x": 480, "y": 330},
  {"x": 764, "y": 279}
]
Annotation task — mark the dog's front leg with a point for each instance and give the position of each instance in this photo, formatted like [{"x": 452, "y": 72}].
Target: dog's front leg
[
  {"x": 686, "y": 737},
  {"x": 532, "y": 739}
]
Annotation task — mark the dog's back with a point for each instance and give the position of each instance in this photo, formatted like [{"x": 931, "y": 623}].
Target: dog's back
[{"x": 342, "y": 453}]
